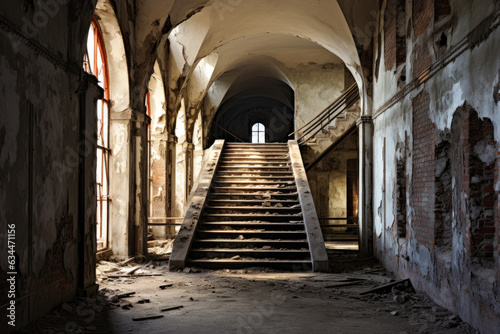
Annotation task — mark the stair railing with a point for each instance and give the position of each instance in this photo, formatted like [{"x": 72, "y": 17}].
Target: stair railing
[{"x": 318, "y": 123}]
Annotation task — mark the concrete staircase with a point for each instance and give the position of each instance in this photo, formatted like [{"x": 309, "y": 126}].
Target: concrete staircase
[
  {"x": 253, "y": 216},
  {"x": 251, "y": 207}
]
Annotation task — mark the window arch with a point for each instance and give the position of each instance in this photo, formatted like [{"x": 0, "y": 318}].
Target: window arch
[
  {"x": 95, "y": 63},
  {"x": 258, "y": 133}
]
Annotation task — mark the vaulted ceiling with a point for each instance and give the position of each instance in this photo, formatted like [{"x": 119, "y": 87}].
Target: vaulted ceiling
[{"x": 200, "y": 44}]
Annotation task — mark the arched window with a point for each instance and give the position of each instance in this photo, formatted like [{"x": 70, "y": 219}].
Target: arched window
[
  {"x": 95, "y": 63},
  {"x": 258, "y": 133}
]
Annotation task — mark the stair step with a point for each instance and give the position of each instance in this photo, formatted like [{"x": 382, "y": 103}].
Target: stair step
[
  {"x": 256, "y": 144},
  {"x": 254, "y": 162},
  {"x": 231, "y": 189},
  {"x": 295, "y": 265},
  {"x": 251, "y": 169},
  {"x": 251, "y": 234},
  {"x": 256, "y": 173},
  {"x": 254, "y": 194},
  {"x": 223, "y": 177},
  {"x": 244, "y": 217},
  {"x": 260, "y": 201},
  {"x": 248, "y": 243},
  {"x": 254, "y": 154},
  {"x": 253, "y": 208},
  {"x": 255, "y": 182},
  {"x": 246, "y": 157},
  {"x": 243, "y": 151},
  {"x": 298, "y": 226},
  {"x": 229, "y": 253}
]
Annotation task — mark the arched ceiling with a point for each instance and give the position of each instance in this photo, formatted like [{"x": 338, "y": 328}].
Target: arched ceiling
[
  {"x": 179, "y": 34},
  {"x": 261, "y": 26}
]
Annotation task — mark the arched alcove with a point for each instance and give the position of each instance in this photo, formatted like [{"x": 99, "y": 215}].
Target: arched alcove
[
  {"x": 260, "y": 100},
  {"x": 119, "y": 130}
]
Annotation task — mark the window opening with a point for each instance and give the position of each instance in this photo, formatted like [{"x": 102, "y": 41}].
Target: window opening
[
  {"x": 95, "y": 63},
  {"x": 258, "y": 133}
]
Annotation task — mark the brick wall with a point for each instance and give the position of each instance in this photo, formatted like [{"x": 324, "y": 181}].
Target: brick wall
[
  {"x": 421, "y": 59},
  {"x": 423, "y": 12},
  {"x": 401, "y": 198},
  {"x": 395, "y": 33},
  {"x": 400, "y": 31},
  {"x": 479, "y": 185},
  {"x": 423, "y": 171},
  {"x": 443, "y": 202},
  {"x": 390, "y": 45}
]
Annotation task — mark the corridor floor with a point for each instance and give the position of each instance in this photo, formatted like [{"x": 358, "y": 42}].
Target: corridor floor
[{"x": 250, "y": 301}]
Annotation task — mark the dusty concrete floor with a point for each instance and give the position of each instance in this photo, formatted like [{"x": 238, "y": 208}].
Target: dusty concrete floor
[{"x": 250, "y": 301}]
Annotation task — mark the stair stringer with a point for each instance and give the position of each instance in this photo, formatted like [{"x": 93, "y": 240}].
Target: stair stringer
[
  {"x": 315, "y": 238},
  {"x": 198, "y": 199}
]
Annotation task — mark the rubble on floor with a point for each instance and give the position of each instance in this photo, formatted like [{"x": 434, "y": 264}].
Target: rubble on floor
[{"x": 360, "y": 298}]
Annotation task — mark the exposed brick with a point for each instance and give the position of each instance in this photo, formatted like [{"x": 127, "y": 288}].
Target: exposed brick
[
  {"x": 423, "y": 12},
  {"x": 481, "y": 192},
  {"x": 421, "y": 59},
  {"x": 423, "y": 171},
  {"x": 390, "y": 34}
]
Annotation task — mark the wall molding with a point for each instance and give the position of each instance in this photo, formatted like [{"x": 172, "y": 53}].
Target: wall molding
[
  {"x": 472, "y": 40},
  {"x": 39, "y": 48}
]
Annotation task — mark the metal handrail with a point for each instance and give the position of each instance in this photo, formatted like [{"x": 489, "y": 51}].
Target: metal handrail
[
  {"x": 330, "y": 116},
  {"x": 341, "y": 97}
]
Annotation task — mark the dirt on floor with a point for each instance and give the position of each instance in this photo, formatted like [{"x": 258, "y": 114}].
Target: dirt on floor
[{"x": 137, "y": 298}]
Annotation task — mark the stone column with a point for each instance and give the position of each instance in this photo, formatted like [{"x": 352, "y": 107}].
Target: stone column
[
  {"x": 170, "y": 154},
  {"x": 120, "y": 184},
  {"x": 365, "y": 130},
  {"x": 128, "y": 180},
  {"x": 89, "y": 92},
  {"x": 189, "y": 149},
  {"x": 141, "y": 176}
]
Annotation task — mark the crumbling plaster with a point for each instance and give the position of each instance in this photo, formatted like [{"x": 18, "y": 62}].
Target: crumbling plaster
[
  {"x": 469, "y": 79},
  {"x": 226, "y": 31}
]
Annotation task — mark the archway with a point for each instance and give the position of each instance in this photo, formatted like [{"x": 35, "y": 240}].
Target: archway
[{"x": 95, "y": 62}]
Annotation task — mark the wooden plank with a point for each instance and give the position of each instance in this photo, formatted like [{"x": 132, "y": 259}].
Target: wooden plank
[{"x": 384, "y": 288}]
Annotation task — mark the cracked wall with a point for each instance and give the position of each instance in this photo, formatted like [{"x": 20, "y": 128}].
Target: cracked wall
[{"x": 441, "y": 248}]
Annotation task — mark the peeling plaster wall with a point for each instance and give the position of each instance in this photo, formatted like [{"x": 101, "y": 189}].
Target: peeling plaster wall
[
  {"x": 198, "y": 147},
  {"x": 328, "y": 180},
  {"x": 158, "y": 154},
  {"x": 316, "y": 87},
  {"x": 40, "y": 154},
  {"x": 181, "y": 164},
  {"x": 450, "y": 279}
]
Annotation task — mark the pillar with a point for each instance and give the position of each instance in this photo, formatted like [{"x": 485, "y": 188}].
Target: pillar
[
  {"x": 171, "y": 149},
  {"x": 141, "y": 184},
  {"x": 89, "y": 92},
  {"x": 365, "y": 130}
]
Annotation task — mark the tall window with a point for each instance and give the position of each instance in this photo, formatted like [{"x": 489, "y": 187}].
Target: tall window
[
  {"x": 150, "y": 160},
  {"x": 258, "y": 133},
  {"x": 95, "y": 63}
]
